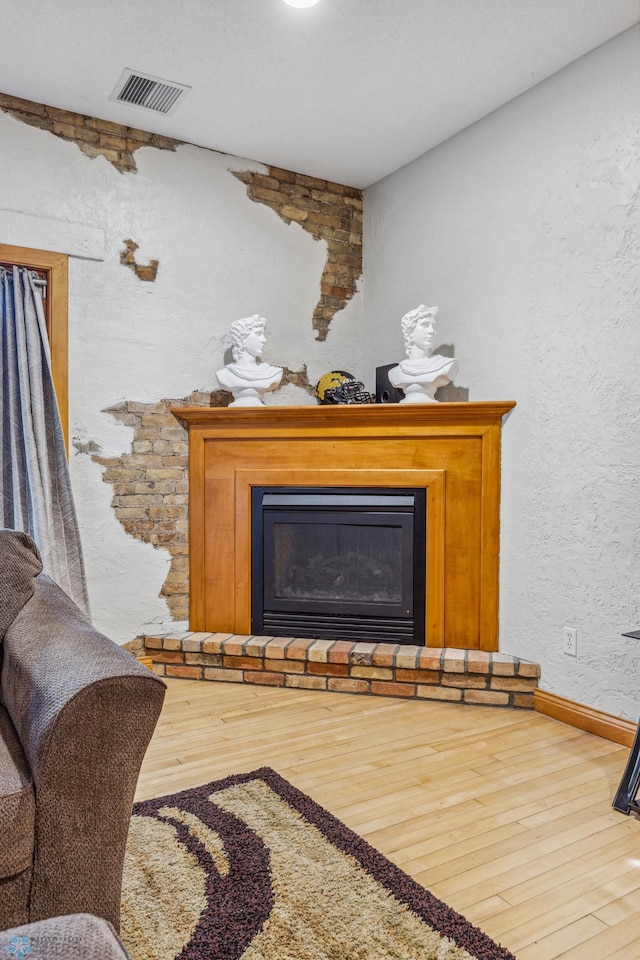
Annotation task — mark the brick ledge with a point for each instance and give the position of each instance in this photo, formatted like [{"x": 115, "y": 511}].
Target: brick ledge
[{"x": 385, "y": 669}]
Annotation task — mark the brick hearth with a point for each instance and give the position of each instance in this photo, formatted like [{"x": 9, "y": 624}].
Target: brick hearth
[{"x": 385, "y": 669}]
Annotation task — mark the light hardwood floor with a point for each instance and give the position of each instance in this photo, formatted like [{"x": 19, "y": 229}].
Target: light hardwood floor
[{"x": 504, "y": 814}]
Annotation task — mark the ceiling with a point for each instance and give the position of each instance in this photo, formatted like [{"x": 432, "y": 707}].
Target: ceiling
[{"x": 348, "y": 90}]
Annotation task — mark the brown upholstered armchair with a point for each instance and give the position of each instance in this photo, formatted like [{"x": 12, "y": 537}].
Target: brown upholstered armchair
[{"x": 76, "y": 716}]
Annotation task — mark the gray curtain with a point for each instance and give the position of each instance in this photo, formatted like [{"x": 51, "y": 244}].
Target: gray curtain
[{"x": 34, "y": 475}]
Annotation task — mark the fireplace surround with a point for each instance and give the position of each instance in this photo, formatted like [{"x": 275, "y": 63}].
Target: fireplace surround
[{"x": 450, "y": 451}]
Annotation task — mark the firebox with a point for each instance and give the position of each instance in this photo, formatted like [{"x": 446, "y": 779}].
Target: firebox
[{"x": 339, "y": 563}]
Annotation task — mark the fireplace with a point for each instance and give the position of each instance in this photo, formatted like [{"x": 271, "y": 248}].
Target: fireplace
[
  {"x": 338, "y": 562},
  {"x": 451, "y": 451}
]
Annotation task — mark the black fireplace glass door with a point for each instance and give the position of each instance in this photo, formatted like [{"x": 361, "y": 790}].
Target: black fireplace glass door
[
  {"x": 350, "y": 563},
  {"x": 338, "y": 562}
]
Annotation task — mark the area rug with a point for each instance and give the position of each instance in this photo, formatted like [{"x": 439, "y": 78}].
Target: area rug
[{"x": 250, "y": 868}]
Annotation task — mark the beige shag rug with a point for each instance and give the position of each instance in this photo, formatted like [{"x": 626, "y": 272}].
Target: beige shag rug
[{"x": 249, "y": 867}]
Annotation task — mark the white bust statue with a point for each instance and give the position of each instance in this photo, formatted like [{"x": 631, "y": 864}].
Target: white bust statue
[
  {"x": 247, "y": 377},
  {"x": 420, "y": 375}
]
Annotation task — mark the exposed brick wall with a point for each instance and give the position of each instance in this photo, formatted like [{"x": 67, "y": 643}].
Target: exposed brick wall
[
  {"x": 384, "y": 669},
  {"x": 150, "y": 484},
  {"x": 148, "y": 271},
  {"x": 328, "y": 211},
  {"x": 151, "y": 487},
  {"x": 95, "y": 137}
]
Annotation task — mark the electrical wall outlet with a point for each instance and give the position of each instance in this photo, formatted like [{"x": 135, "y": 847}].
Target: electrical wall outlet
[{"x": 570, "y": 641}]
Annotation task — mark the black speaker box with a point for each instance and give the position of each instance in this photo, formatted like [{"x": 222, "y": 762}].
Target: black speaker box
[{"x": 385, "y": 392}]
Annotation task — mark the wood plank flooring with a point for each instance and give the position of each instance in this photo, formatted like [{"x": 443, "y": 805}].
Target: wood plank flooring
[{"x": 504, "y": 814}]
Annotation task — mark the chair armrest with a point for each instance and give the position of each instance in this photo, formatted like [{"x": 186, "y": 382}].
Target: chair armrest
[{"x": 84, "y": 710}]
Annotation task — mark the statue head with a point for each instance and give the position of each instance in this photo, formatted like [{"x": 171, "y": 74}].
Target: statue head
[
  {"x": 425, "y": 317},
  {"x": 240, "y": 330}
]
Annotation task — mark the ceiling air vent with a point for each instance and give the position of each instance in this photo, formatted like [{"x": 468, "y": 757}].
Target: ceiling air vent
[{"x": 151, "y": 93}]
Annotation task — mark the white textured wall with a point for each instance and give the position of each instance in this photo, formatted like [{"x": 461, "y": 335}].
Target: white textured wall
[
  {"x": 221, "y": 256},
  {"x": 525, "y": 230}
]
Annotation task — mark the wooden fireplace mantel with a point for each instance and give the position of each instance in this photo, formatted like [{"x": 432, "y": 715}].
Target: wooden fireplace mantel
[{"x": 450, "y": 449}]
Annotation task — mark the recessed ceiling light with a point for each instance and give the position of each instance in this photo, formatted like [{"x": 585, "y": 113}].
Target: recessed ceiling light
[{"x": 301, "y": 3}]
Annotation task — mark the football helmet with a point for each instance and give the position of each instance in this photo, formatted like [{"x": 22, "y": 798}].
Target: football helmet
[{"x": 338, "y": 386}]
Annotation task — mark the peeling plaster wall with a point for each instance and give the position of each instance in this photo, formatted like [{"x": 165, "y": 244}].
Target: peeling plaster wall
[
  {"x": 525, "y": 230},
  {"x": 221, "y": 257},
  {"x": 328, "y": 211}
]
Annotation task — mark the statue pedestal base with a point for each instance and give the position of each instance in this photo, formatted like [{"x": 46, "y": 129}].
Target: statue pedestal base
[
  {"x": 247, "y": 397},
  {"x": 419, "y": 379},
  {"x": 419, "y": 393},
  {"x": 249, "y": 385}
]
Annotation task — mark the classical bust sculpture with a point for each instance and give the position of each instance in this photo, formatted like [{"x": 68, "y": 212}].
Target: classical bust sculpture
[
  {"x": 421, "y": 374},
  {"x": 247, "y": 377}
]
